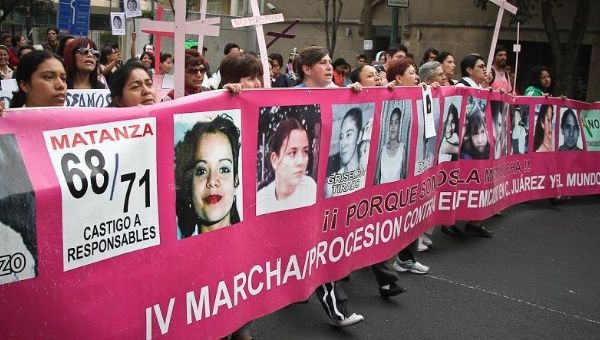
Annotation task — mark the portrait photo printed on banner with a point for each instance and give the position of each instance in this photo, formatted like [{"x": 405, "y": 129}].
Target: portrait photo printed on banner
[
  {"x": 394, "y": 141},
  {"x": 475, "y": 138},
  {"x": 543, "y": 133},
  {"x": 208, "y": 171},
  {"x": 519, "y": 130},
  {"x": 117, "y": 20},
  {"x": 133, "y": 8},
  {"x": 590, "y": 119},
  {"x": 18, "y": 243},
  {"x": 425, "y": 149},
  {"x": 449, "y": 141},
  {"x": 500, "y": 121},
  {"x": 569, "y": 136},
  {"x": 349, "y": 149},
  {"x": 287, "y": 157}
]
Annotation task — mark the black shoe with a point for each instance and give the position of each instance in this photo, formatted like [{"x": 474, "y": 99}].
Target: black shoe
[
  {"x": 393, "y": 290},
  {"x": 453, "y": 231},
  {"x": 478, "y": 230}
]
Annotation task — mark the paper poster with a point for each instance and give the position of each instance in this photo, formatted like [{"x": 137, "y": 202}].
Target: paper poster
[
  {"x": 426, "y": 143},
  {"x": 117, "y": 20},
  {"x": 208, "y": 171},
  {"x": 349, "y": 149},
  {"x": 107, "y": 176},
  {"x": 394, "y": 141},
  {"x": 133, "y": 8},
  {"x": 569, "y": 132},
  {"x": 9, "y": 85},
  {"x": 428, "y": 108},
  {"x": 590, "y": 120}
]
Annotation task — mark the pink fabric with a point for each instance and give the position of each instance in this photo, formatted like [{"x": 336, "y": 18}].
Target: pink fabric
[{"x": 128, "y": 296}]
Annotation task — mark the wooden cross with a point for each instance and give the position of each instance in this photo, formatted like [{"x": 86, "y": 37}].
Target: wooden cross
[
  {"x": 516, "y": 49},
  {"x": 504, "y": 5},
  {"x": 282, "y": 34},
  {"x": 257, "y": 20},
  {"x": 179, "y": 28}
]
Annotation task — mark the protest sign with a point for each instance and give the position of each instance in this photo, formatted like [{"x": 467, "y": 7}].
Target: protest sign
[{"x": 216, "y": 257}]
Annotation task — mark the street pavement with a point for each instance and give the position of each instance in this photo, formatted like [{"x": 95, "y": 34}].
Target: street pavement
[{"x": 537, "y": 278}]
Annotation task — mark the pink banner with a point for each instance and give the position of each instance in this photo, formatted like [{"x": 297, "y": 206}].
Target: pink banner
[{"x": 113, "y": 220}]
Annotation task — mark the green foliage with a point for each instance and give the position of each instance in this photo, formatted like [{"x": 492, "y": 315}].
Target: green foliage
[{"x": 525, "y": 13}]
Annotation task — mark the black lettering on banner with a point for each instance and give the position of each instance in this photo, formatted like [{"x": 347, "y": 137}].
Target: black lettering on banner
[
  {"x": 12, "y": 264},
  {"x": 145, "y": 180},
  {"x": 71, "y": 173}
]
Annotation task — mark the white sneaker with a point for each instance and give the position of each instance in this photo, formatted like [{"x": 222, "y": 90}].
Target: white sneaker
[
  {"x": 421, "y": 245},
  {"x": 348, "y": 321},
  {"x": 410, "y": 266},
  {"x": 426, "y": 240}
]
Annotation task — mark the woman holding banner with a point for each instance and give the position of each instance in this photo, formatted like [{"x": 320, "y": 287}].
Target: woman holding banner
[
  {"x": 41, "y": 80},
  {"x": 132, "y": 85},
  {"x": 315, "y": 69}
]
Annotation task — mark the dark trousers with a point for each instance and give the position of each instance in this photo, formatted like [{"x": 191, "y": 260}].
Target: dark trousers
[
  {"x": 333, "y": 299},
  {"x": 384, "y": 274},
  {"x": 409, "y": 252}
]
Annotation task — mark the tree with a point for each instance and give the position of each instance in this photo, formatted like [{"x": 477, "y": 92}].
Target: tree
[
  {"x": 366, "y": 22},
  {"x": 564, "y": 56},
  {"x": 331, "y": 25},
  {"x": 33, "y": 6}
]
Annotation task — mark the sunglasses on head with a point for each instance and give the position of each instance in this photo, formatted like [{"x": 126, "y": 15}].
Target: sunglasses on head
[
  {"x": 195, "y": 70},
  {"x": 85, "y": 51}
]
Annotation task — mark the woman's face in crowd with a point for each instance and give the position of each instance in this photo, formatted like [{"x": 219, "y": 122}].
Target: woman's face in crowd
[
  {"x": 166, "y": 66},
  {"x": 369, "y": 77},
  {"x": 449, "y": 66},
  {"x": 547, "y": 123},
  {"x": 394, "y": 126},
  {"x": 213, "y": 184},
  {"x": 147, "y": 61},
  {"x": 194, "y": 75},
  {"x": 545, "y": 79},
  {"x": 320, "y": 73},
  {"x": 85, "y": 62},
  {"x": 275, "y": 67},
  {"x": 138, "y": 89},
  {"x": 251, "y": 82},
  {"x": 292, "y": 160},
  {"x": 409, "y": 77},
  {"x": 47, "y": 86},
  {"x": 348, "y": 140},
  {"x": 3, "y": 57}
]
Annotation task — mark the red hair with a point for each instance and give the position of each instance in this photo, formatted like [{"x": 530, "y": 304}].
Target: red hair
[{"x": 71, "y": 66}]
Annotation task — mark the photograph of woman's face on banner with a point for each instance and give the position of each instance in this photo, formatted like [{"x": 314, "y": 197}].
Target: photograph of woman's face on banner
[
  {"x": 543, "y": 135},
  {"x": 208, "y": 171},
  {"x": 18, "y": 242},
  {"x": 394, "y": 137},
  {"x": 519, "y": 130},
  {"x": 475, "y": 138},
  {"x": 288, "y": 157},
  {"x": 349, "y": 149},
  {"x": 569, "y": 137},
  {"x": 499, "y": 118},
  {"x": 450, "y": 142},
  {"x": 426, "y": 146}
]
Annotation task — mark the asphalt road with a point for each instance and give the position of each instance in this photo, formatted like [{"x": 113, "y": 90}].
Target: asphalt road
[{"x": 537, "y": 278}]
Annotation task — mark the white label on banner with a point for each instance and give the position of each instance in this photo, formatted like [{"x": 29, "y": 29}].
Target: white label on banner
[
  {"x": 367, "y": 45},
  {"x": 107, "y": 176},
  {"x": 428, "y": 111},
  {"x": 257, "y": 20},
  {"x": 168, "y": 81},
  {"x": 88, "y": 98}
]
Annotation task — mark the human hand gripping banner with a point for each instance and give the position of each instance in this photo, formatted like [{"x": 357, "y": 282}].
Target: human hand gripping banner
[{"x": 191, "y": 217}]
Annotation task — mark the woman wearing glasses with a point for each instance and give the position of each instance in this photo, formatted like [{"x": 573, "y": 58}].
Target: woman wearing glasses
[
  {"x": 81, "y": 64},
  {"x": 195, "y": 69}
]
